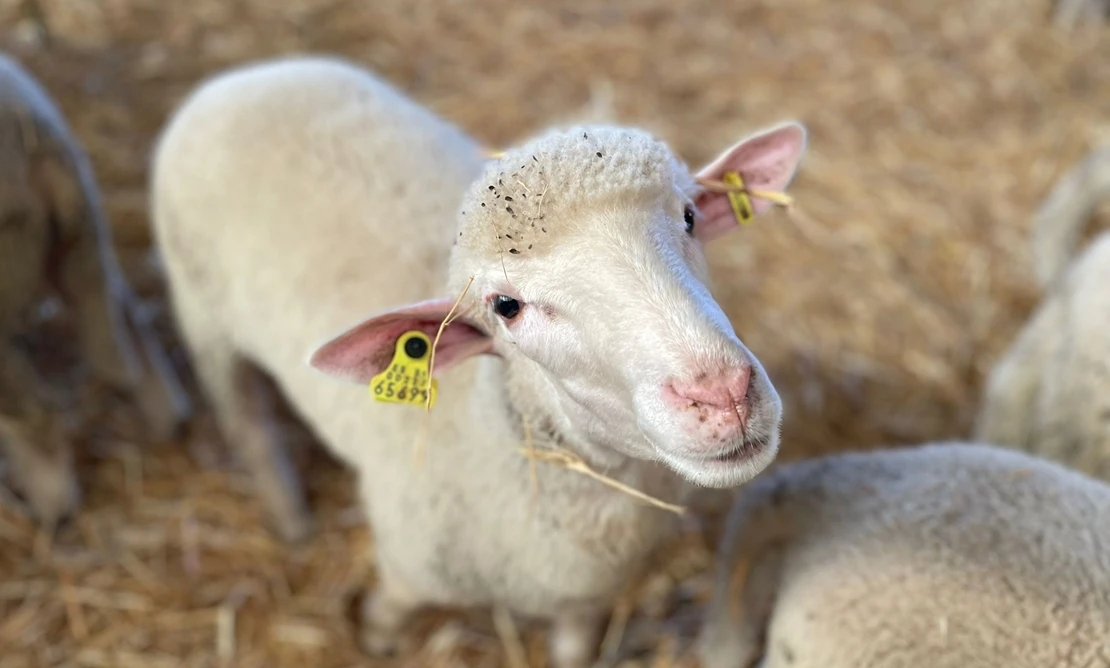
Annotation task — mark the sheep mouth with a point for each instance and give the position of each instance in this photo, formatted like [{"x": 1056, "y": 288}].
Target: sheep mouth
[{"x": 750, "y": 448}]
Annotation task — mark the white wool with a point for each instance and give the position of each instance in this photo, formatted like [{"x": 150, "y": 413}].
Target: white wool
[
  {"x": 946, "y": 555},
  {"x": 293, "y": 198},
  {"x": 1049, "y": 393}
]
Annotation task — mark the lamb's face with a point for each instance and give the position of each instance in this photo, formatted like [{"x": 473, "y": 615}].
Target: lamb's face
[
  {"x": 585, "y": 250},
  {"x": 618, "y": 319}
]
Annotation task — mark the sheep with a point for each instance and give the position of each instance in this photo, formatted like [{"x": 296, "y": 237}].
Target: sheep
[
  {"x": 310, "y": 214},
  {"x": 1069, "y": 13},
  {"x": 948, "y": 554},
  {"x": 53, "y": 234},
  {"x": 1049, "y": 393}
]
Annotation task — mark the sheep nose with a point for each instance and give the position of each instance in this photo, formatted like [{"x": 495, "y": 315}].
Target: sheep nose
[{"x": 724, "y": 393}]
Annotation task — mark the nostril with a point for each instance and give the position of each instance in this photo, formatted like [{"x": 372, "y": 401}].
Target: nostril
[
  {"x": 738, "y": 385},
  {"x": 724, "y": 392}
]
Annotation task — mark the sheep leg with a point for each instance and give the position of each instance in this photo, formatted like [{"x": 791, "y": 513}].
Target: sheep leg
[
  {"x": 165, "y": 402},
  {"x": 97, "y": 298},
  {"x": 111, "y": 329},
  {"x": 42, "y": 466},
  {"x": 384, "y": 614},
  {"x": 575, "y": 635},
  {"x": 244, "y": 408}
]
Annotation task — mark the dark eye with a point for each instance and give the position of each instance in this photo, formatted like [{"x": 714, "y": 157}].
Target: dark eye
[
  {"x": 688, "y": 216},
  {"x": 506, "y": 307}
]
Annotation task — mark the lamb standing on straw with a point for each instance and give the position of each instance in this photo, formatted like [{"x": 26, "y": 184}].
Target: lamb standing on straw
[
  {"x": 946, "y": 555},
  {"x": 1050, "y": 392},
  {"x": 294, "y": 197},
  {"x": 53, "y": 236}
]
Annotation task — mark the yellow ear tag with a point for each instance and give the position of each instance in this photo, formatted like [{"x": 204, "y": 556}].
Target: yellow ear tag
[
  {"x": 405, "y": 380},
  {"x": 738, "y": 199}
]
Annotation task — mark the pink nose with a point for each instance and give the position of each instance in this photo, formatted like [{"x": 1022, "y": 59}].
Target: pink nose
[{"x": 725, "y": 392}]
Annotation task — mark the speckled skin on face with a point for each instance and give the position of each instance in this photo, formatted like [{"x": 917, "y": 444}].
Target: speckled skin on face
[{"x": 521, "y": 194}]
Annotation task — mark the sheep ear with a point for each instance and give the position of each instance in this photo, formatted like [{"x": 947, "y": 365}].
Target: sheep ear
[
  {"x": 767, "y": 160},
  {"x": 366, "y": 349}
]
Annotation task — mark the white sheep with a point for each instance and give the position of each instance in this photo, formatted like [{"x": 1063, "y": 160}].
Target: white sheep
[
  {"x": 1070, "y": 13},
  {"x": 53, "y": 235},
  {"x": 946, "y": 555},
  {"x": 1049, "y": 393},
  {"x": 292, "y": 198}
]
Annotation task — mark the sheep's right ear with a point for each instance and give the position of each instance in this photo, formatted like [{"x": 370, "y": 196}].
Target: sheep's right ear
[{"x": 366, "y": 349}]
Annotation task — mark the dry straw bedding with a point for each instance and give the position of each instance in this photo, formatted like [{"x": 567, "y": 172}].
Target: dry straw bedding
[{"x": 936, "y": 127}]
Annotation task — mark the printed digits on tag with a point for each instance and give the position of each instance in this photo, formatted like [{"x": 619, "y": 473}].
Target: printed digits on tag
[
  {"x": 389, "y": 391},
  {"x": 378, "y": 388},
  {"x": 402, "y": 393}
]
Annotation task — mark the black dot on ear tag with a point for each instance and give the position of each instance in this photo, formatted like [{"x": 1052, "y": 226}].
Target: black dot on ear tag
[{"x": 416, "y": 348}]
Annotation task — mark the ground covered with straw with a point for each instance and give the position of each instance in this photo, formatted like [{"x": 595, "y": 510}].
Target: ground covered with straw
[{"x": 936, "y": 128}]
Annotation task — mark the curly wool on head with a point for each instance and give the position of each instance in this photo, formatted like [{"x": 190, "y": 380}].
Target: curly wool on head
[{"x": 522, "y": 195}]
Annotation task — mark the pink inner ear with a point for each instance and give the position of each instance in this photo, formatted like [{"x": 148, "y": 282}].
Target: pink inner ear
[
  {"x": 766, "y": 161},
  {"x": 366, "y": 349}
]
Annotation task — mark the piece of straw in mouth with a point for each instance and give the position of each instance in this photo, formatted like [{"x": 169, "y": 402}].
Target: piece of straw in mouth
[
  {"x": 573, "y": 462},
  {"x": 422, "y": 435}
]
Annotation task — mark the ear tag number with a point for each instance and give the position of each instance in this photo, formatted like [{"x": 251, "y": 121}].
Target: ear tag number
[
  {"x": 738, "y": 199},
  {"x": 405, "y": 380}
]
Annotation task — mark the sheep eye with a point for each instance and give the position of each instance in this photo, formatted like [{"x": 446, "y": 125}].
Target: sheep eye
[
  {"x": 688, "y": 215},
  {"x": 506, "y": 307}
]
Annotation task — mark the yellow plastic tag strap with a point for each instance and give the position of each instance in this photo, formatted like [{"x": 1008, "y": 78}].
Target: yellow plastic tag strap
[
  {"x": 738, "y": 199},
  {"x": 405, "y": 380}
]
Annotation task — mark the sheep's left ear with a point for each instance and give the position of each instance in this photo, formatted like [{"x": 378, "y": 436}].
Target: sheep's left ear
[{"x": 767, "y": 160}]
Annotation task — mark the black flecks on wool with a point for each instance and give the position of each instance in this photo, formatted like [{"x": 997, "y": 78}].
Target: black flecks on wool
[
  {"x": 599, "y": 154},
  {"x": 508, "y": 199},
  {"x": 514, "y": 251},
  {"x": 491, "y": 188},
  {"x": 509, "y": 209}
]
